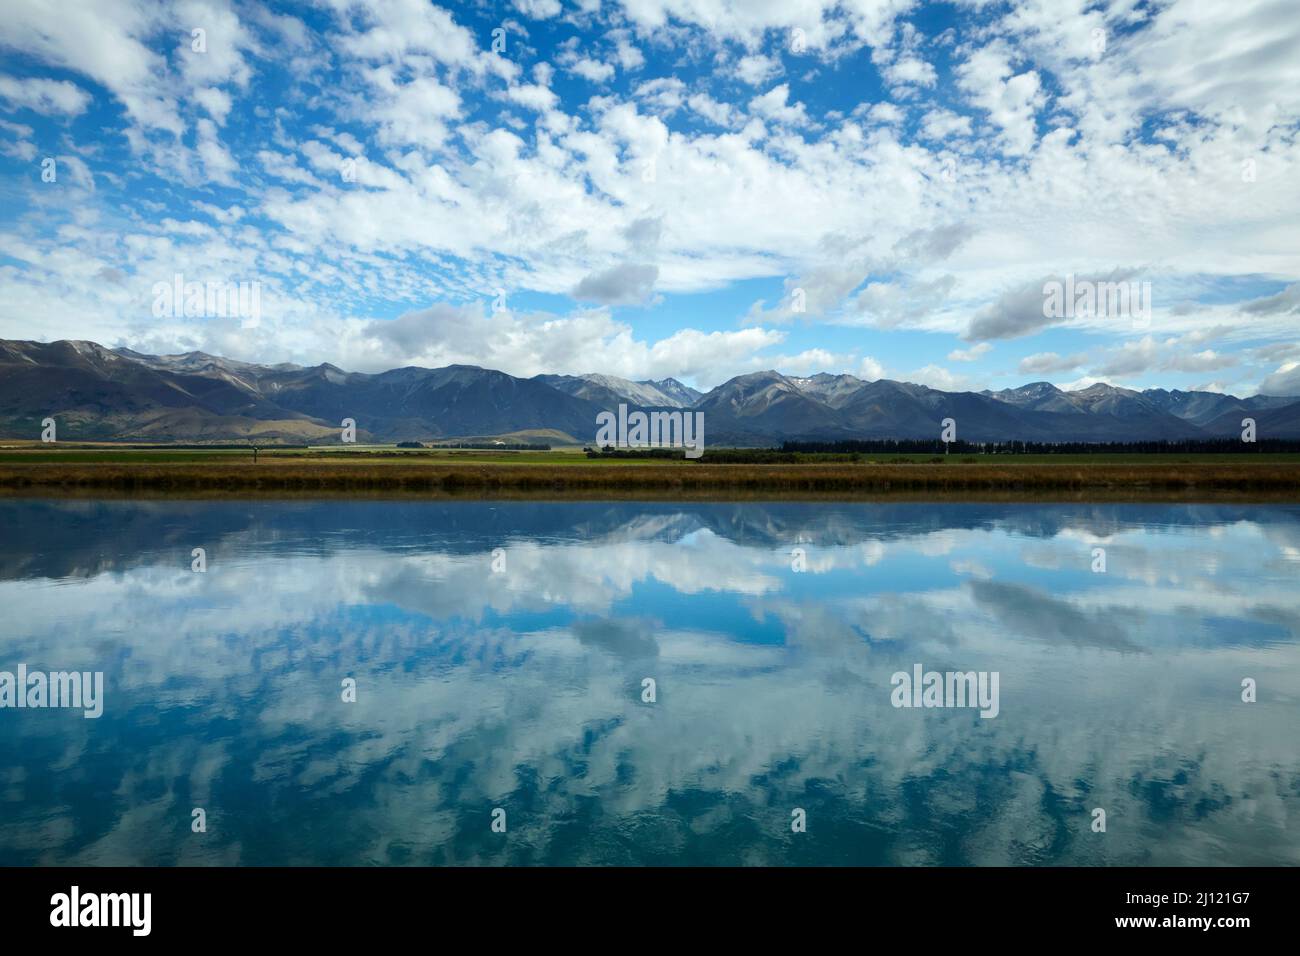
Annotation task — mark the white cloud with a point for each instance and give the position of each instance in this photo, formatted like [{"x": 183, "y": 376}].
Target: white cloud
[
  {"x": 756, "y": 69},
  {"x": 936, "y": 376},
  {"x": 628, "y": 55},
  {"x": 721, "y": 114},
  {"x": 1284, "y": 381},
  {"x": 1148, "y": 354},
  {"x": 824, "y": 23},
  {"x": 810, "y": 362},
  {"x": 51, "y": 97},
  {"x": 1011, "y": 99},
  {"x": 413, "y": 113},
  {"x": 218, "y": 165},
  {"x": 592, "y": 70},
  {"x": 1043, "y": 363},
  {"x": 538, "y": 9},
  {"x": 941, "y": 124},
  {"x": 774, "y": 105},
  {"x": 870, "y": 369},
  {"x": 20, "y": 145},
  {"x": 528, "y": 345},
  {"x": 910, "y": 70},
  {"x": 971, "y": 354},
  {"x": 216, "y": 102},
  {"x": 534, "y": 96},
  {"x": 886, "y": 113},
  {"x": 395, "y": 29},
  {"x": 664, "y": 95},
  {"x": 104, "y": 41}
]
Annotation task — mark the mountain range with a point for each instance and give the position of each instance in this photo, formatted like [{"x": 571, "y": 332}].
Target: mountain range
[{"x": 98, "y": 393}]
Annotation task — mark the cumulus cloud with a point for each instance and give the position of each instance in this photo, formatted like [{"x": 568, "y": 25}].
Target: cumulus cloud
[
  {"x": 1285, "y": 381},
  {"x": 942, "y": 124},
  {"x": 51, "y": 97},
  {"x": 625, "y": 284},
  {"x": 870, "y": 369},
  {"x": 538, "y": 9},
  {"x": 757, "y": 69},
  {"x": 1045, "y": 363},
  {"x": 1147, "y": 354},
  {"x": 774, "y": 105},
  {"x": 1012, "y": 100},
  {"x": 936, "y": 376},
  {"x": 912, "y": 70},
  {"x": 532, "y": 343},
  {"x": 971, "y": 354}
]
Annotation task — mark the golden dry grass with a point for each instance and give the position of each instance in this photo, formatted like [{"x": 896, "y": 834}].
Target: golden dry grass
[{"x": 291, "y": 475}]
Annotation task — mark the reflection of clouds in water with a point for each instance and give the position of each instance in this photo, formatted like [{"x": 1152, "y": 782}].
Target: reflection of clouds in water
[
  {"x": 224, "y": 690},
  {"x": 1038, "y": 616},
  {"x": 972, "y": 568},
  {"x": 1147, "y": 557}
]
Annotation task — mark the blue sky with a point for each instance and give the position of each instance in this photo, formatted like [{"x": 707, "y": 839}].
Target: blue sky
[{"x": 694, "y": 188}]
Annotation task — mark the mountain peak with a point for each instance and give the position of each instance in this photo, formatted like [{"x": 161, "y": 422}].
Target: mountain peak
[
  {"x": 675, "y": 391},
  {"x": 610, "y": 390},
  {"x": 1103, "y": 388},
  {"x": 126, "y": 395}
]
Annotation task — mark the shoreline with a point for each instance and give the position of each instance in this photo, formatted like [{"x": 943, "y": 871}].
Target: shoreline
[{"x": 1124, "y": 481}]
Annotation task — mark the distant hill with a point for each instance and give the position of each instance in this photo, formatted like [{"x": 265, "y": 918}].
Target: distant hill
[
  {"x": 1276, "y": 422},
  {"x": 97, "y": 393}
]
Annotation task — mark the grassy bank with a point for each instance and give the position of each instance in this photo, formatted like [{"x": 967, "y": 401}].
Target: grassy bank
[
  {"x": 34, "y": 452},
  {"x": 445, "y": 475}
]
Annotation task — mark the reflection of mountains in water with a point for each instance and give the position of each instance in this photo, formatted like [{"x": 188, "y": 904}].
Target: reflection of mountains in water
[
  {"x": 56, "y": 539},
  {"x": 524, "y": 690}
]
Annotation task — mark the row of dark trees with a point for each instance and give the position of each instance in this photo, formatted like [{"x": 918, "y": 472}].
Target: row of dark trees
[
  {"x": 925, "y": 446},
  {"x": 793, "y": 452},
  {"x": 477, "y": 446}
]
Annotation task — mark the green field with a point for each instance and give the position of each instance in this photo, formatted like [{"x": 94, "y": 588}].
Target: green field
[{"x": 376, "y": 454}]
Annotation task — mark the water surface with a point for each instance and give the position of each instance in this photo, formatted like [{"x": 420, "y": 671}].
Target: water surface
[{"x": 499, "y": 651}]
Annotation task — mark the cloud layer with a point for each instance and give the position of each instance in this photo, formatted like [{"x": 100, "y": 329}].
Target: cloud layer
[{"x": 633, "y": 180}]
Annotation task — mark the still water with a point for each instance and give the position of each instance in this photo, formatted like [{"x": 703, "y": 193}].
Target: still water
[{"x": 501, "y": 653}]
